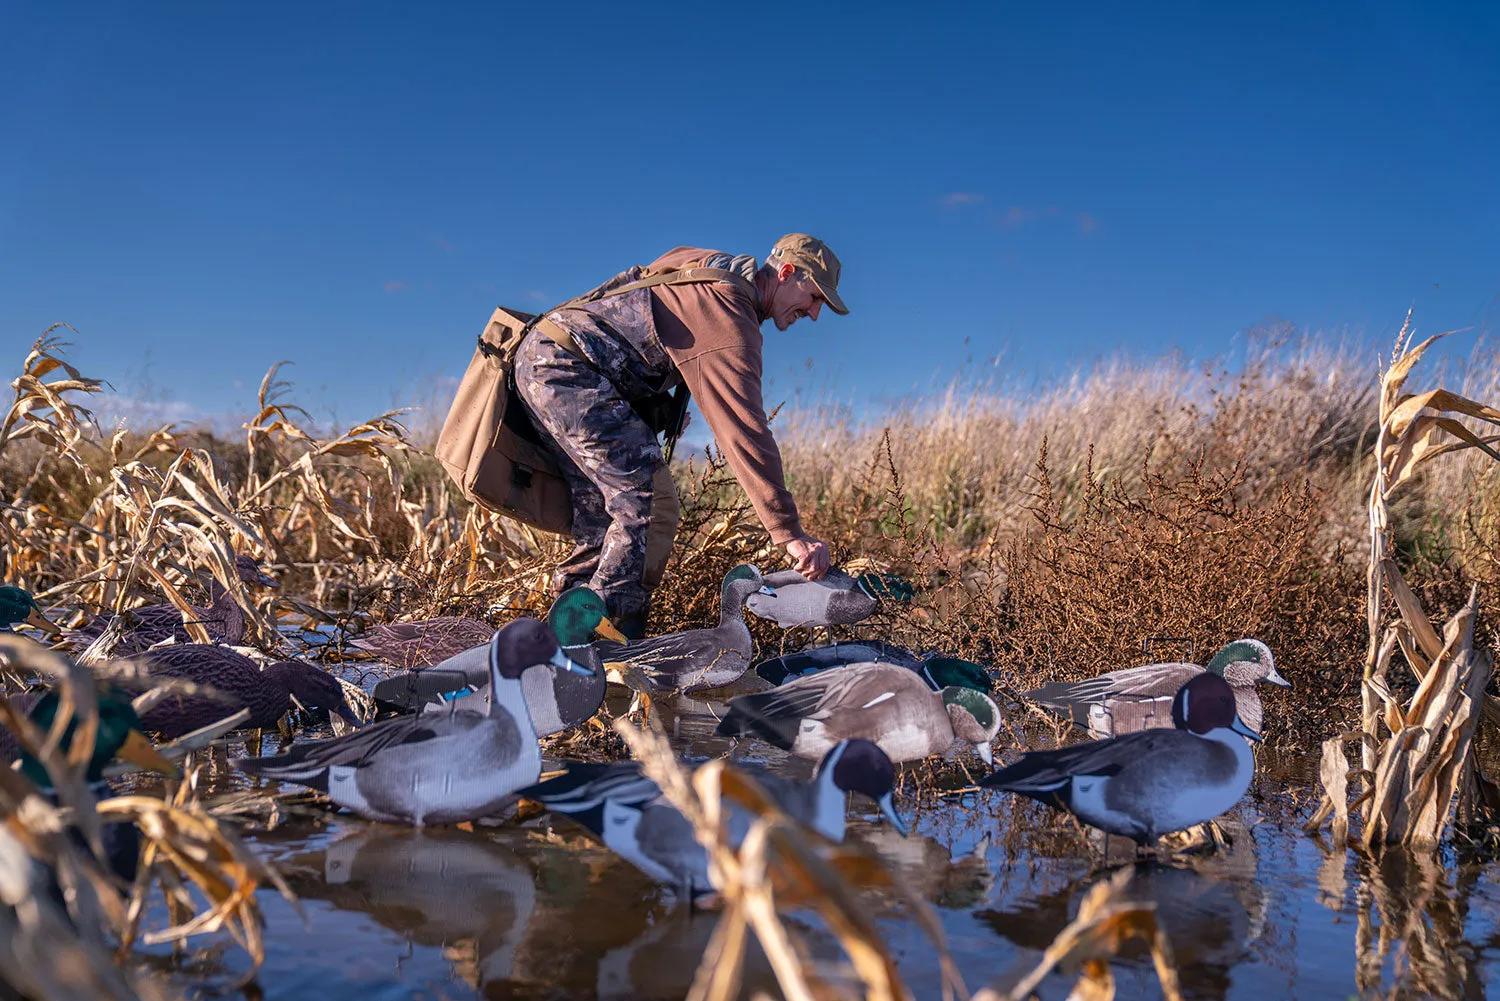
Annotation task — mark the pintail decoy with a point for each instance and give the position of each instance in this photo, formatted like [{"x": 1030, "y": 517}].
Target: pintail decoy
[
  {"x": 939, "y": 672},
  {"x": 1140, "y": 698},
  {"x": 267, "y": 692},
  {"x": 1154, "y": 782},
  {"x": 694, "y": 659},
  {"x": 223, "y": 619},
  {"x": 436, "y": 768},
  {"x": 18, "y": 607},
  {"x": 836, "y": 599},
  {"x": 890, "y": 705},
  {"x": 625, "y": 809},
  {"x": 557, "y": 699}
]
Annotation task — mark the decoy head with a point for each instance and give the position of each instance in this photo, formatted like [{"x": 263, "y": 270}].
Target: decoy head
[
  {"x": 975, "y": 718},
  {"x": 885, "y": 587},
  {"x": 317, "y": 689},
  {"x": 745, "y": 579},
  {"x": 524, "y": 644},
  {"x": 578, "y": 616},
  {"x": 248, "y": 567},
  {"x": 17, "y": 606},
  {"x": 1207, "y": 703},
  {"x": 950, "y": 672},
  {"x": 1247, "y": 660},
  {"x": 861, "y": 766},
  {"x": 118, "y": 735}
]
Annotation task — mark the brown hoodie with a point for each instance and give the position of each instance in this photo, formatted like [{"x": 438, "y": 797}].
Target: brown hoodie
[{"x": 712, "y": 333}]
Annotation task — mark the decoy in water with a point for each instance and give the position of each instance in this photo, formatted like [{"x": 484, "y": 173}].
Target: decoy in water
[
  {"x": 694, "y": 659},
  {"x": 223, "y": 619},
  {"x": 557, "y": 699},
  {"x": 939, "y": 672},
  {"x": 425, "y": 642},
  {"x": 890, "y": 705},
  {"x": 836, "y": 599},
  {"x": 436, "y": 768},
  {"x": 18, "y": 607},
  {"x": 1140, "y": 698},
  {"x": 118, "y": 734},
  {"x": 626, "y": 810},
  {"x": 1154, "y": 782},
  {"x": 267, "y": 692}
]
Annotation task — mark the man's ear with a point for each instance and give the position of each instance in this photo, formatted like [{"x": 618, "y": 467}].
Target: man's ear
[{"x": 786, "y": 271}]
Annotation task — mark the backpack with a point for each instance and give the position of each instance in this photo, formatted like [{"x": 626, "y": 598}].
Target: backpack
[{"x": 488, "y": 444}]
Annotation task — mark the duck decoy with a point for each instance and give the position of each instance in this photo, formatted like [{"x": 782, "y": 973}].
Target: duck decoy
[
  {"x": 557, "y": 699},
  {"x": 223, "y": 618},
  {"x": 1140, "y": 698},
  {"x": 18, "y": 607},
  {"x": 625, "y": 809},
  {"x": 1154, "y": 782},
  {"x": 939, "y": 672},
  {"x": 890, "y": 705},
  {"x": 836, "y": 599},
  {"x": 436, "y": 768},
  {"x": 117, "y": 735},
  {"x": 425, "y": 642},
  {"x": 695, "y": 659},
  {"x": 267, "y": 692}
]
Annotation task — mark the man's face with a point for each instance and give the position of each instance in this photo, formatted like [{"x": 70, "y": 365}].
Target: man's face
[{"x": 796, "y": 296}]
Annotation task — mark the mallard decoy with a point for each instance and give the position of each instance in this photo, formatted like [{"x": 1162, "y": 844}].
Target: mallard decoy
[
  {"x": 695, "y": 659},
  {"x": 836, "y": 599},
  {"x": 625, "y": 809},
  {"x": 1140, "y": 698},
  {"x": 435, "y": 768},
  {"x": 426, "y": 642},
  {"x": 267, "y": 692},
  {"x": 118, "y": 735},
  {"x": 1154, "y": 782},
  {"x": 223, "y": 619},
  {"x": 557, "y": 699},
  {"x": 890, "y": 705},
  {"x": 18, "y": 607},
  {"x": 939, "y": 672}
]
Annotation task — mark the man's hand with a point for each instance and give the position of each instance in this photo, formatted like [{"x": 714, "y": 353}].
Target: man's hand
[{"x": 809, "y": 556}]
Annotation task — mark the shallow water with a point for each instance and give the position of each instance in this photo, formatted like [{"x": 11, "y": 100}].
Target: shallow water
[{"x": 536, "y": 910}]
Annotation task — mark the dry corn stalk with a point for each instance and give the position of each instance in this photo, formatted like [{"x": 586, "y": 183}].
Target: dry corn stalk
[
  {"x": 779, "y": 865},
  {"x": 1105, "y": 922}
]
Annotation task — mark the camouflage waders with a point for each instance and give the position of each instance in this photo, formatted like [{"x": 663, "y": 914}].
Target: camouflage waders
[{"x": 622, "y": 491}]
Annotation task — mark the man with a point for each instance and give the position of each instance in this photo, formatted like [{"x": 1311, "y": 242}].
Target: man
[{"x": 593, "y": 399}]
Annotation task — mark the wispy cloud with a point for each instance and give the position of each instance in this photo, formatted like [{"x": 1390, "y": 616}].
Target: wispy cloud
[
  {"x": 1086, "y": 222},
  {"x": 440, "y": 243},
  {"x": 957, "y": 199},
  {"x": 393, "y": 287},
  {"x": 537, "y": 295},
  {"x": 1020, "y": 215}
]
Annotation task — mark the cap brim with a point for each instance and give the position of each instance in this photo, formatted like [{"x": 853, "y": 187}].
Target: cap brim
[{"x": 831, "y": 296}]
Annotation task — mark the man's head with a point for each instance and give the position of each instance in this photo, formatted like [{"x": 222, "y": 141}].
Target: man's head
[{"x": 800, "y": 276}]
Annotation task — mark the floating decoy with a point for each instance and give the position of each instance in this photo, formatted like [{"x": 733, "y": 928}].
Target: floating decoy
[
  {"x": 426, "y": 642},
  {"x": 18, "y": 607},
  {"x": 1155, "y": 782},
  {"x": 435, "y": 768},
  {"x": 118, "y": 735},
  {"x": 625, "y": 809},
  {"x": 223, "y": 619},
  {"x": 836, "y": 599},
  {"x": 267, "y": 692},
  {"x": 557, "y": 699},
  {"x": 939, "y": 672},
  {"x": 890, "y": 705},
  {"x": 1140, "y": 698},
  {"x": 695, "y": 659}
]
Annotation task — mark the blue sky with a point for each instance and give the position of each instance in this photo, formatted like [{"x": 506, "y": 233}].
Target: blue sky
[{"x": 204, "y": 189}]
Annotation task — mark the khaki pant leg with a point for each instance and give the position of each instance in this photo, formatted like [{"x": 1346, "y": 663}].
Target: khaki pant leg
[{"x": 666, "y": 510}]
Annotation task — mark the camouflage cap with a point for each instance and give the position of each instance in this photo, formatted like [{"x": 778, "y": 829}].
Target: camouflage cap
[{"x": 822, "y": 266}]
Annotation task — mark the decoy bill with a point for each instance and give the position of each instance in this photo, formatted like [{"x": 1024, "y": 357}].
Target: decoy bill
[
  {"x": 436, "y": 768},
  {"x": 1155, "y": 782},
  {"x": 18, "y": 607}
]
